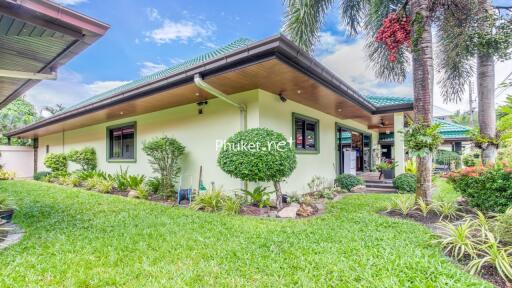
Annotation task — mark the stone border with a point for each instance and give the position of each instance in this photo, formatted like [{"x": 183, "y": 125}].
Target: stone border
[{"x": 14, "y": 235}]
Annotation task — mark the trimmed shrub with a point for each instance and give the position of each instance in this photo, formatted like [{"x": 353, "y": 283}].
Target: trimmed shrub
[
  {"x": 405, "y": 182},
  {"x": 258, "y": 155},
  {"x": 56, "y": 162},
  {"x": 488, "y": 189},
  {"x": 444, "y": 157},
  {"x": 165, "y": 155},
  {"x": 471, "y": 159},
  {"x": 85, "y": 158},
  {"x": 38, "y": 176},
  {"x": 152, "y": 185},
  {"x": 348, "y": 181}
]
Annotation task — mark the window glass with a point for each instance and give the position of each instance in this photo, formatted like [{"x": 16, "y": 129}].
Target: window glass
[
  {"x": 306, "y": 133},
  {"x": 122, "y": 142}
]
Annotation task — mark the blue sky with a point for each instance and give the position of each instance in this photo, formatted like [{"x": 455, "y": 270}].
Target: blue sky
[{"x": 147, "y": 36}]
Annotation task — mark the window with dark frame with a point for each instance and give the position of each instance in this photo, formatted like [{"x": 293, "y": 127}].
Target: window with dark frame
[
  {"x": 121, "y": 143},
  {"x": 306, "y": 133}
]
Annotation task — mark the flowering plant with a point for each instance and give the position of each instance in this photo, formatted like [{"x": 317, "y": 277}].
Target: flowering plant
[{"x": 386, "y": 165}]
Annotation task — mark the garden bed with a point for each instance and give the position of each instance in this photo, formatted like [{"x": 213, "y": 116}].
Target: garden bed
[{"x": 432, "y": 219}]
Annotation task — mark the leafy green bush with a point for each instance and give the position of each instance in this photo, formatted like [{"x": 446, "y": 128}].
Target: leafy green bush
[
  {"x": 471, "y": 159},
  {"x": 259, "y": 196},
  {"x": 405, "y": 182},
  {"x": 38, "y": 176},
  {"x": 422, "y": 139},
  {"x": 104, "y": 186},
  {"x": 165, "y": 155},
  {"x": 487, "y": 188},
  {"x": 503, "y": 226},
  {"x": 210, "y": 201},
  {"x": 444, "y": 157},
  {"x": 231, "y": 206},
  {"x": 258, "y": 155},
  {"x": 56, "y": 162},
  {"x": 121, "y": 180},
  {"x": 348, "y": 181},
  {"x": 135, "y": 181},
  {"x": 85, "y": 157},
  {"x": 153, "y": 185}
]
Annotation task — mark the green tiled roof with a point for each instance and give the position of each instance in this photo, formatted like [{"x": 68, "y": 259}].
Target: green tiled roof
[
  {"x": 388, "y": 100},
  {"x": 448, "y": 130},
  {"x": 237, "y": 44}
]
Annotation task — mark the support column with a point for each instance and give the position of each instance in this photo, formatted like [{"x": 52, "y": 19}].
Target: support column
[{"x": 399, "y": 142}]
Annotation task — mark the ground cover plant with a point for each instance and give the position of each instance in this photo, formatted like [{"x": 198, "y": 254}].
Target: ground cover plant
[{"x": 76, "y": 238}]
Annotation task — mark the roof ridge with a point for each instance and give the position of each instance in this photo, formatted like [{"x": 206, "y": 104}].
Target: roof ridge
[
  {"x": 233, "y": 45},
  {"x": 452, "y": 124}
]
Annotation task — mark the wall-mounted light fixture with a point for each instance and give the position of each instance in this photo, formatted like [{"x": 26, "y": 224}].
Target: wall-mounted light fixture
[
  {"x": 200, "y": 106},
  {"x": 281, "y": 97}
]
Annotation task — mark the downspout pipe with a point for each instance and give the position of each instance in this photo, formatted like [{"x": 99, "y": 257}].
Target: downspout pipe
[{"x": 198, "y": 80}]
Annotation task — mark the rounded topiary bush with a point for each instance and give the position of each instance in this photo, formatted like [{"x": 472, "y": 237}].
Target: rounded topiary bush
[
  {"x": 56, "y": 162},
  {"x": 405, "y": 182},
  {"x": 258, "y": 155},
  {"x": 348, "y": 181}
]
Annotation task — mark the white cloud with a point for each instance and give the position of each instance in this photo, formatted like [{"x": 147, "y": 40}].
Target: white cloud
[
  {"x": 69, "y": 2},
  {"x": 68, "y": 90},
  {"x": 150, "y": 68},
  {"x": 98, "y": 87},
  {"x": 181, "y": 31},
  {"x": 349, "y": 61},
  {"x": 153, "y": 14}
]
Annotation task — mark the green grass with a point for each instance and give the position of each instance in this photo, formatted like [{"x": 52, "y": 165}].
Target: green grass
[
  {"x": 444, "y": 191},
  {"x": 76, "y": 238}
]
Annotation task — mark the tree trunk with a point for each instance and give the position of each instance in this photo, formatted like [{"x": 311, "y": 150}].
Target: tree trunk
[
  {"x": 423, "y": 84},
  {"x": 486, "y": 106},
  {"x": 279, "y": 195}
]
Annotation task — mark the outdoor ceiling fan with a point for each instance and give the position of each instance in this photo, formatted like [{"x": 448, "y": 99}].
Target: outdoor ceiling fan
[{"x": 382, "y": 124}]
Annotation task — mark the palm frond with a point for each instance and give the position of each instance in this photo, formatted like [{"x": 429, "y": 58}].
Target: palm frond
[
  {"x": 303, "y": 20},
  {"x": 454, "y": 63},
  {"x": 352, "y": 13}
]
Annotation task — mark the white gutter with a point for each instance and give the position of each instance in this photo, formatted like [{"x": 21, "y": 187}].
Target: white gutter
[
  {"x": 198, "y": 80},
  {"x": 27, "y": 75}
]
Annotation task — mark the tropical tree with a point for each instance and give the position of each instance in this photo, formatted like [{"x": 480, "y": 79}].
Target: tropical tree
[
  {"x": 17, "y": 114},
  {"x": 54, "y": 109},
  {"x": 469, "y": 35},
  {"x": 389, "y": 57}
]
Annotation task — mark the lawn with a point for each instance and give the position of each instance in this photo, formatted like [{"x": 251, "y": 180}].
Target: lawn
[{"x": 76, "y": 238}]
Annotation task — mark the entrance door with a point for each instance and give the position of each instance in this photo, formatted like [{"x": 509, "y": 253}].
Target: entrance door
[{"x": 353, "y": 151}]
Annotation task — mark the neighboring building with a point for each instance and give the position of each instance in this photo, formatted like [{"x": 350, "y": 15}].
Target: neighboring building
[
  {"x": 441, "y": 113},
  {"x": 270, "y": 83}
]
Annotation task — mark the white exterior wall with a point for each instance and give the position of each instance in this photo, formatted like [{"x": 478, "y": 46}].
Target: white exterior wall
[
  {"x": 199, "y": 134},
  {"x": 17, "y": 159}
]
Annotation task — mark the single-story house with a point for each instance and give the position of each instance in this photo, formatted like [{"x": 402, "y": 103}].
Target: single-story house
[{"x": 269, "y": 83}]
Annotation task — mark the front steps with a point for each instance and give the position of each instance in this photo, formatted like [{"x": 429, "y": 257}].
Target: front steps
[{"x": 380, "y": 186}]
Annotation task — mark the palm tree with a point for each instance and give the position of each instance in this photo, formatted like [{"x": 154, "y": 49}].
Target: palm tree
[
  {"x": 304, "y": 19},
  {"x": 464, "y": 36}
]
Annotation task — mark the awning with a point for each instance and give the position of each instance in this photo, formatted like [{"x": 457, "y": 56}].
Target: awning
[{"x": 37, "y": 37}]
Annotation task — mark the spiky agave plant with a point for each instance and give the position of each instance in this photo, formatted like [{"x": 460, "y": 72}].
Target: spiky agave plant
[
  {"x": 458, "y": 239},
  {"x": 492, "y": 253}
]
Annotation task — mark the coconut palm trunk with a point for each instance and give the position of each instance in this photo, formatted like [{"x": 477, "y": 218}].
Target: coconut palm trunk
[
  {"x": 423, "y": 85},
  {"x": 486, "y": 102}
]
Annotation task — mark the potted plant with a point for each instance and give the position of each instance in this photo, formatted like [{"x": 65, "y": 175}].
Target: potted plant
[
  {"x": 387, "y": 169},
  {"x": 6, "y": 210}
]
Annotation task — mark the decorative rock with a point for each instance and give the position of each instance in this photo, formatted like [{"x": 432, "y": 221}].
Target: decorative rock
[
  {"x": 133, "y": 194},
  {"x": 272, "y": 214},
  {"x": 305, "y": 211},
  {"x": 289, "y": 212},
  {"x": 358, "y": 189}
]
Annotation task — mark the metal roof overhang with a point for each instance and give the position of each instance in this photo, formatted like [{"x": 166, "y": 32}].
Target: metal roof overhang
[
  {"x": 37, "y": 37},
  {"x": 274, "y": 64}
]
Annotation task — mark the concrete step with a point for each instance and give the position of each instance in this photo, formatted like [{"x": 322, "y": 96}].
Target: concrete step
[
  {"x": 380, "y": 185},
  {"x": 379, "y": 181},
  {"x": 381, "y": 190}
]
